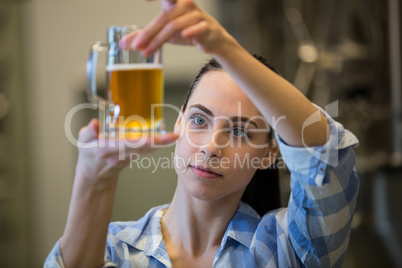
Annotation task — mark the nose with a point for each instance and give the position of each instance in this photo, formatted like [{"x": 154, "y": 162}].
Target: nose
[{"x": 214, "y": 146}]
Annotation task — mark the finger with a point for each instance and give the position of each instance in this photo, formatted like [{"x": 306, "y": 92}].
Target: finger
[
  {"x": 149, "y": 144},
  {"x": 166, "y": 138},
  {"x": 89, "y": 132},
  {"x": 168, "y": 4},
  {"x": 146, "y": 35},
  {"x": 171, "y": 31},
  {"x": 127, "y": 40},
  {"x": 148, "y": 141},
  {"x": 196, "y": 30},
  {"x": 136, "y": 147},
  {"x": 156, "y": 25}
]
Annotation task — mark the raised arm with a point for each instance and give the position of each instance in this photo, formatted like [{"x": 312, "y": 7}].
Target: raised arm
[
  {"x": 324, "y": 183},
  {"x": 84, "y": 239},
  {"x": 183, "y": 22}
]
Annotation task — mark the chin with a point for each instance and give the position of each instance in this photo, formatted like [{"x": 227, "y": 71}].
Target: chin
[
  {"x": 202, "y": 192},
  {"x": 205, "y": 196}
]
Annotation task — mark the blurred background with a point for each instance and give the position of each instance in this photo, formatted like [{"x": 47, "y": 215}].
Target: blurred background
[{"x": 344, "y": 51}]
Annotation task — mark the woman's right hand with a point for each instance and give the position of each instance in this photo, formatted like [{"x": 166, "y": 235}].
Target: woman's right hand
[
  {"x": 105, "y": 158},
  {"x": 180, "y": 22}
]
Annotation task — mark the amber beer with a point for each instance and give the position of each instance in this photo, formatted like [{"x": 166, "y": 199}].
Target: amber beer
[{"x": 133, "y": 88}]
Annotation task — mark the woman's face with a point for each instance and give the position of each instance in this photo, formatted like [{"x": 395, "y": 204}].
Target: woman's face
[{"x": 224, "y": 139}]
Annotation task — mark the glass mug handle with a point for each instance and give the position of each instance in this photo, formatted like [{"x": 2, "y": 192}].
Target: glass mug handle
[{"x": 92, "y": 62}]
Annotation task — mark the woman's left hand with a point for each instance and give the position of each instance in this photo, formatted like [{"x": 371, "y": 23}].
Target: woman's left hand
[{"x": 180, "y": 22}]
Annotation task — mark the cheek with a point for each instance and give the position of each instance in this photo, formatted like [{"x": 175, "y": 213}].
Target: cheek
[
  {"x": 193, "y": 139},
  {"x": 196, "y": 138},
  {"x": 247, "y": 161},
  {"x": 180, "y": 146},
  {"x": 179, "y": 166},
  {"x": 240, "y": 174},
  {"x": 258, "y": 141},
  {"x": 181, "y": 155}
]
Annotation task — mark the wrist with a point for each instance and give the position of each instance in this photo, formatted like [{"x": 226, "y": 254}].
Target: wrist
[
  {"x": 93, "y": 184},
  {"x": 227, "y": 50}
]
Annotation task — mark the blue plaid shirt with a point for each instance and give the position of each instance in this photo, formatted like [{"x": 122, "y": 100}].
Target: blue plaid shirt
[{"x": 313, "y": 231}]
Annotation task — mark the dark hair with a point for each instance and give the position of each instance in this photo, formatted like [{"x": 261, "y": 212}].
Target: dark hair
[{"x": 262, "y": 193}]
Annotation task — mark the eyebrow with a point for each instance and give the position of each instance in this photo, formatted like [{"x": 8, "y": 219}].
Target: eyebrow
[
  {"x": 233, "y": 118},
  {"x": 243, "y": 119},
  {"x": 202, "y": 108}
]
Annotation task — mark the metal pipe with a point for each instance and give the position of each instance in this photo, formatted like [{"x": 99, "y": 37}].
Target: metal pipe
[{"x": 395, "y": 64}]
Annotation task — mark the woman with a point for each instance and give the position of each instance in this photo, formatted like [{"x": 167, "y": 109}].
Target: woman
[{"x": 223, "y": 122}]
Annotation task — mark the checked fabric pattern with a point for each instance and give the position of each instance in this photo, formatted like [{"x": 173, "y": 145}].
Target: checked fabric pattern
[{"x": 313, "y": 231}]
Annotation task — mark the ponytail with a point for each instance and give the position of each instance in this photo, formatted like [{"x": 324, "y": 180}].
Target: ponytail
[{"x": 262, "y": 193}]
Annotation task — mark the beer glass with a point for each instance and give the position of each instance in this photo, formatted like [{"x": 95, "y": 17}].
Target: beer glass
[{"x": 133, "y": 103}]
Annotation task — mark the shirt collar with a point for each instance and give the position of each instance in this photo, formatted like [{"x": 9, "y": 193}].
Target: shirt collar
[
  {"x": 242, "y": 226},
  {"x": 146, "y": 234}
]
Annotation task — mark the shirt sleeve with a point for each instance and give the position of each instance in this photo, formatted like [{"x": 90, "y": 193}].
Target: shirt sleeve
[
  {"x": 54, "y": 259},
  {"x": 324, "y": 186}
]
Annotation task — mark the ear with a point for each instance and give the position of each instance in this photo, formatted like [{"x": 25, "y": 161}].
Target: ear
[
  {"x": 271, "y": 155},
  {"x": 178, "y": 125}
]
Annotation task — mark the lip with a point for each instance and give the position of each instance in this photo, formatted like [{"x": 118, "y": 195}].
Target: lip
[{"x": 204, "y": 172}]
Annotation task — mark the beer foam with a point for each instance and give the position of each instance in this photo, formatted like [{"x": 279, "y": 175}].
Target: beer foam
[{"x": 137, "y": 66}]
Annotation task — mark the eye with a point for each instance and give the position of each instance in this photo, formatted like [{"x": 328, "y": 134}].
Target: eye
[
  {"x": 198, "y": 120},
  {"x": 238, "y": 132}
]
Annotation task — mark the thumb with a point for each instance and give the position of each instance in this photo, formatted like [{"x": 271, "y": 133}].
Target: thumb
[
  {"x": 89, "y": 132},
  {"x": 168, "y": 4}
]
